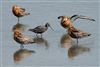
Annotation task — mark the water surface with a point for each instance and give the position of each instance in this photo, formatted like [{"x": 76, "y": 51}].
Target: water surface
[{"x": 56, "y": 48}]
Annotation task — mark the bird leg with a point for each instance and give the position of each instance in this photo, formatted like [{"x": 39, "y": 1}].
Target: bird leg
[
  {"x": 77, "y": 41},
  {"x": 41, "y": 35},
  {"x": 77, "y": 38},
  {"x": 37, "y": 35},
  {"x": 18, "y": 19},
  {"x": 21, "y": 46}
]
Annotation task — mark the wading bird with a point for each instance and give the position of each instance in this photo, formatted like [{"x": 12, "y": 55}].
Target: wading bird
[
  {"x": 21, "y": 39},
  {"x": 77, "y": 34},
  {"x": 67, "y": 21},
  {"x": 19, "y": 12},
  {"x": 41, "y": 29}
]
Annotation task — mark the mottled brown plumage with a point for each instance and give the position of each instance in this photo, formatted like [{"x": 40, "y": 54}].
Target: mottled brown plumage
[
  {"x": 65, "y": 21},
  {"x": 22, "y": 39},
  {"x": 19, "y": 12},
  {"x": 77, "y": 34},
  {"x": 74, "y": 33}
]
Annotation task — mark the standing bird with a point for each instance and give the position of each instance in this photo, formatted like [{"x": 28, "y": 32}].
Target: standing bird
[
  {"x": 77, "y": 34},
  {"x": 19, "y": 12},
  {"x": 41, "y": 29},
  {"x": 67, "y": 21},
  {"x": 21, "y": 39}
]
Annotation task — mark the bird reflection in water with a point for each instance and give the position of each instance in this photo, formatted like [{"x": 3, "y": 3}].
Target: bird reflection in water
[
  {"x": 41, "y": 41},
  {"x": 65, "y": 41},
  {"x": 76, "y": 50},
  {"x": 21, "y": 54},
  {"x": 19, "y": 26}
]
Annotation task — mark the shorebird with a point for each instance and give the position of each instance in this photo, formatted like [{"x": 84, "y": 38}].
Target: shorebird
[
  {"x": 41, "y": 29},
  {"x": 19, "y": 12},
  {"x": 77, "y": 34},
  {"x": 67, "y": 21},
  {"x": 22, "y": 39}
]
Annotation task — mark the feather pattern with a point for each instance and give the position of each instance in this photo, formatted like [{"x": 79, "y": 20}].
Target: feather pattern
[{"x": 75, "y": 17}]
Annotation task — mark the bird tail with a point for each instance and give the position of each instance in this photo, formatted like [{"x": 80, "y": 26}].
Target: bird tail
[
  {"x": 87, "y": 34},
  {"x": 92, "y": 19},
  {"x": 32, "y": 42},
  {"x": 31, "y": 51},
  {"x": 27, "y": 13},
  {"x": 31, "y": 30}
]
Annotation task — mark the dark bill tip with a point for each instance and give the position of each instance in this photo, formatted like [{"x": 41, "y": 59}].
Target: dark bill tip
[
  {"x": 93, "y": 20},
  {"x": 29, "y": 29},
  {"x": 59, "y": 17},
  {"x": 28, "y": 13},
  {"x": 89, "y": 34}
]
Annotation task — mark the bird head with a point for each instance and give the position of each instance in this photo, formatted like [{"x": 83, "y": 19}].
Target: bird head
[
  {"x": 60, "y": 17},
  {"x": 48, "y": 25},
  {"x": 64, "y": 17},
  {"x": 17, "y": 33}
]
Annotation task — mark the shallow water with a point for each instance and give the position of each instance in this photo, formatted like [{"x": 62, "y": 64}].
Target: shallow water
[{"x": 55, "y": 48}]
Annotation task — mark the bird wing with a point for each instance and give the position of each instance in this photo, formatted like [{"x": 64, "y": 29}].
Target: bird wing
[
  {"x": 26, "y": 39},
  {"x": 81, "y": 34},
  {"x": 38, "y": 28},
  {"x": 23, "y": 9},
  {"x": 75, "y": 17},
  {"x": 20, "y": 8}
]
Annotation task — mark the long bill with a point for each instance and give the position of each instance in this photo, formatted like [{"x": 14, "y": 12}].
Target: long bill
[
  {"x": 51, "y": 28},
  {"x": 87, "y": 18}
]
